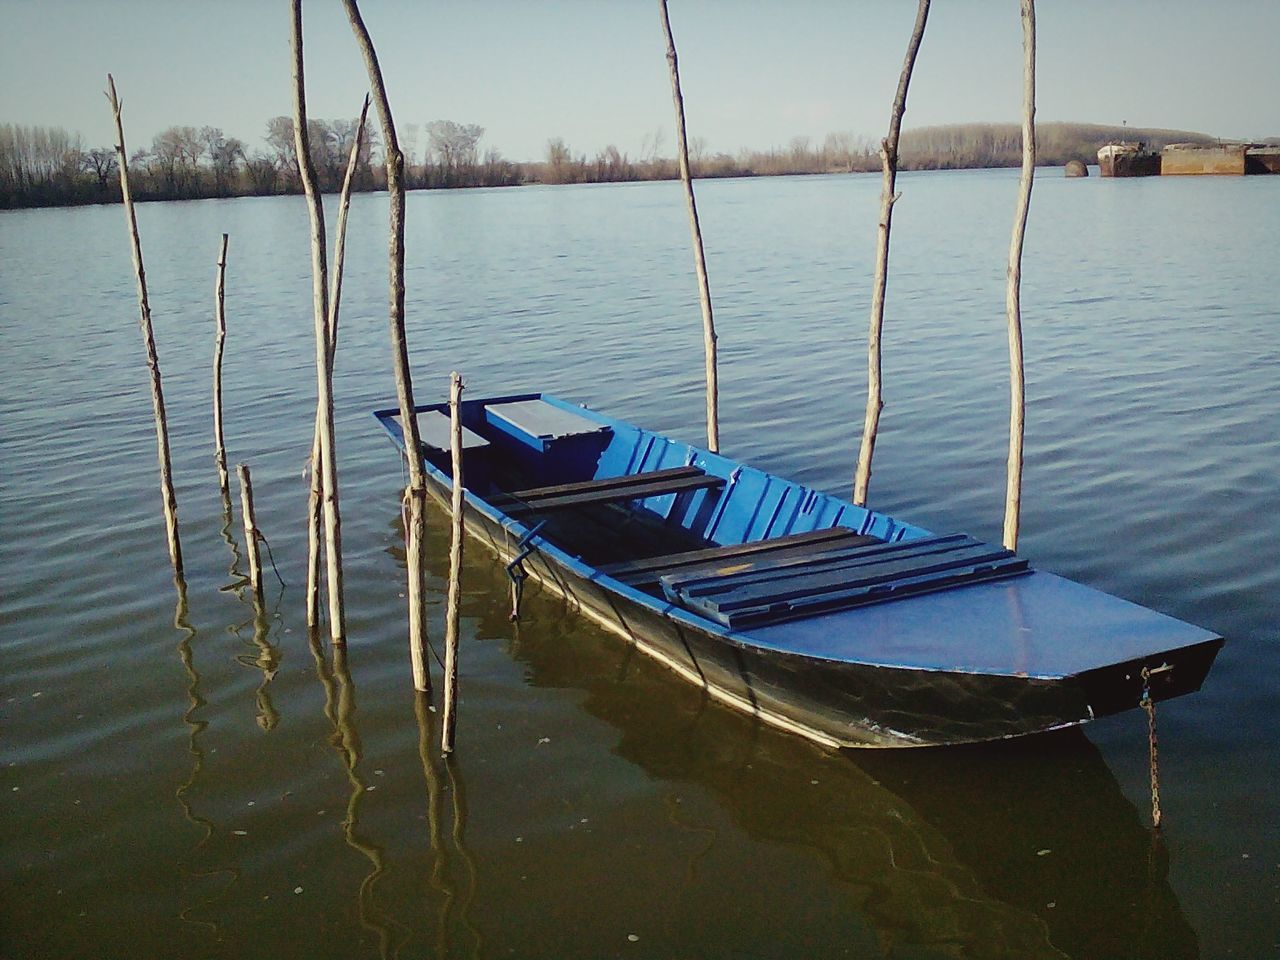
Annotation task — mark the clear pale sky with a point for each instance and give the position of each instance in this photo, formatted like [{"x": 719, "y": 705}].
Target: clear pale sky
[{"x": 755, "y": 73}]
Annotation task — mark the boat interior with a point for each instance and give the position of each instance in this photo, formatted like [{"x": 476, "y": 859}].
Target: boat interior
[{"x": 733, "y": 544}]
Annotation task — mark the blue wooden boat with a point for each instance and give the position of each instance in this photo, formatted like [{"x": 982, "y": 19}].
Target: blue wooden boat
[{"x": 820, "y": 617}]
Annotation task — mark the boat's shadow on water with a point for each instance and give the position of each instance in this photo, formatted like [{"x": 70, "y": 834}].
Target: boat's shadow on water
[
  {"x": 1025, "y": 848},
  {"x": 1042, "y": 825}
]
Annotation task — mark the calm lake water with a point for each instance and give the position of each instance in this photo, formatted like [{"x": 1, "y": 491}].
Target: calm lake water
[{"x": 204, "y": 783}]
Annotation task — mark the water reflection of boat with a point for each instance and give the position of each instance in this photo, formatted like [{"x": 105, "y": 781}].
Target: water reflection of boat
[{"x": 1025, "y": 849}]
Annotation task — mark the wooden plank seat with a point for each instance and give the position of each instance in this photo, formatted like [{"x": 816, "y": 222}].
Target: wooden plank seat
[
  {"x": 734, "y": 557},
  {"x": 792, "y": 588},
  {"x": 635, "y": 486},
  {"x": 435, "y": 432}
]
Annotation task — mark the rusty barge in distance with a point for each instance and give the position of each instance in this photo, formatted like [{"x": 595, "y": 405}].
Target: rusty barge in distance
[
  {"x": 1128, "y": 159},
  {"x": 1135, "y": 159},
  {"x": 1223, "y": 159},
  {"x": 1262, "y": 159}
]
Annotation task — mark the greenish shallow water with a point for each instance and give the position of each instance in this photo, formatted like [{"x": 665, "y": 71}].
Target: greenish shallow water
[{"x": 207, "y": 785}]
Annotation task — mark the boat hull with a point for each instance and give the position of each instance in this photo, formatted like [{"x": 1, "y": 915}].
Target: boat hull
[{"x": 837, "y": 702}]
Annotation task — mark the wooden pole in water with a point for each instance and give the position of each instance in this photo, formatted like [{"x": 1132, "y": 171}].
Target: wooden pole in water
[
  {"x": 340, "y": 230},
  {"x": 328, "y": 464},
  {"x": 416, "y": 493},
  {"x": 889, "y": 166},
  {"x": 699, "y": 257},
  {"x": 220, "y": 337},
  {"x": 455, "y": 568},
  {"x": 250, "y": 531},
  {"x": 314, "y": 512},
  {"x": 1013, "y": 296},
  {"x": 168, "y": 496}
]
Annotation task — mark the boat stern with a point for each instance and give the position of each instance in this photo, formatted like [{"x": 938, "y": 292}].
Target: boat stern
[{"x": 1169, "y": 674}]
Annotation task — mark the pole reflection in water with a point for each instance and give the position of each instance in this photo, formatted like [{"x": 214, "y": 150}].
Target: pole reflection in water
[
  {"x": 196, "y": 727},
  {"x": 226, "y": 527},
  {"x": 439, "y": 877},
  {"x": 457, "y": 788},
  {"x": 709, "y": 835},
  {"x": 265, "y": 657},
  {"x": 238, "y": 579},
  {"x": 340, "y": 709},
  {"x": 441, "y": 775}
]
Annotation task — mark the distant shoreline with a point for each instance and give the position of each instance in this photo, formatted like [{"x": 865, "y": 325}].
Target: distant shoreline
[
  {"x": 49, "y": 167},
  {"x": 381, "y": 188}
]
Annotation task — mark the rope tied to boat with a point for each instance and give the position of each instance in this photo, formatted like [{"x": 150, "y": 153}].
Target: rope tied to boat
[
  {"x": 516, "y": 570},
  {"x": 1149, "y": 706},
  {"x": 259, "y": 535}
]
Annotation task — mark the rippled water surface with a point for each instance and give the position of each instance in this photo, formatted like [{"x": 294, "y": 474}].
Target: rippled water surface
[{"x": 207, "y": 783}]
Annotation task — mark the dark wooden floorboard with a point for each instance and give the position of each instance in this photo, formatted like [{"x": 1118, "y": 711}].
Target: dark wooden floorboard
[{"x": 795, "y": 544}]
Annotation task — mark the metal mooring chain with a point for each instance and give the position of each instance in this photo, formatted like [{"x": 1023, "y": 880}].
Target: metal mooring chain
[{"x": 1149, "y": 706}]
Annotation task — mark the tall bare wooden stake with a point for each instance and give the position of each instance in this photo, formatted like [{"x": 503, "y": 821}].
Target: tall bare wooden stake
[
  {"x": 220, "y": 337},
  {"x": 314, "y": 511},
  {"x": 328, "y": 464},
  {"x": 250, "y": 531},
  {"x": 1013, "y": 295},
  {"x": 700, "y": 261},
  {"x": 416, "y": 493},
  {"x": 889, "y": 166},
  {"x": 455, "y": 569},
  {"x": 169, "y": 497}
]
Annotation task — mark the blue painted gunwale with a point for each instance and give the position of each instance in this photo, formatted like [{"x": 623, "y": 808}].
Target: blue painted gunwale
[
  {"x": 978, "y": 662},
  {"x": 652, "y": 451}
]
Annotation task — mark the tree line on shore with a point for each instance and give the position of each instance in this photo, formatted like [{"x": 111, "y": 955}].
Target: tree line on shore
[{"x": 50, "y": 166}]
